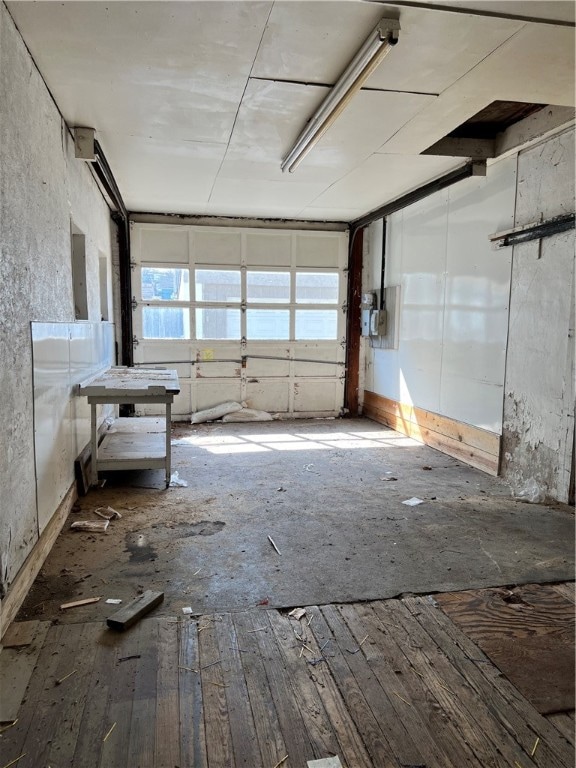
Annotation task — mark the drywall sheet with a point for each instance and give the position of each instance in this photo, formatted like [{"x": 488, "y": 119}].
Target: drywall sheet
[
  {"x": 64, "y": 354},
  {"x": 453, "y": 316}
]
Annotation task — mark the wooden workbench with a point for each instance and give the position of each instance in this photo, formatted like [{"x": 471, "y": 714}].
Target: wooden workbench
[{"x": 125, "y": 449}]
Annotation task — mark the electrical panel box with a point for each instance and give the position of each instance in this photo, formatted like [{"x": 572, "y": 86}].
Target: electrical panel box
[
  {"x": 378, "y": 322},
  {"x": 374, "y": 322},
  {"x": 366, "y": 318}
]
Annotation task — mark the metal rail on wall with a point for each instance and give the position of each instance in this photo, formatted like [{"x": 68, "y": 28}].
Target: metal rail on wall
[{"x": 242, "y": 360}]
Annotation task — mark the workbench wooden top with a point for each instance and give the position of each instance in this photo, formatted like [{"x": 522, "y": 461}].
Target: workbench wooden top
[{"x": 123, "y": 381}]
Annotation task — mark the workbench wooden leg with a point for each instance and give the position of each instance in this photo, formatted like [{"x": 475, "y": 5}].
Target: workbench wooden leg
[
  {"x": 94, "y": 446},
  {"x": 168, "y": 442}
]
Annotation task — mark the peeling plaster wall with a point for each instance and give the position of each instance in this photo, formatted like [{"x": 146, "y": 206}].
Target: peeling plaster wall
[
  {"x": 539, "y": 385},
  {"x": 42, "y": 188}
]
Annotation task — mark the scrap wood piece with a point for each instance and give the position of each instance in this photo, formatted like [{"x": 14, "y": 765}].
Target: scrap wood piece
[
  {"x": 109, "y": 732},
  {"x": 281, "y": 761},
  {"x": 271, "y": 540},
  {"x": 91, "y": 526},
  {"x": 79, "y": 603},
  {"x": 133, "y": 611},
  {"x": 61, "y": 680},
  {"x": 297, "y": 613},
  {"x": 12, "y": 762}
]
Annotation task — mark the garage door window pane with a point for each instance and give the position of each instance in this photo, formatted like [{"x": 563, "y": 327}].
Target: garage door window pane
[
  {"x": 264, "y": 324},
  {"x": 316, "y": 288},
  {"x": 165, "y": 284},
  {"x": 221, "y": 285},
  {"x": 166, "y": 323},
  {"x": 216, "y": 323},
  {"x": 316, "y": 324},
  {"x": 268, "y": 287}
]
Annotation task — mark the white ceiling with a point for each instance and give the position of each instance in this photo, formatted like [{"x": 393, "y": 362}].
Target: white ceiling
[{"x": 196, "y": 103}]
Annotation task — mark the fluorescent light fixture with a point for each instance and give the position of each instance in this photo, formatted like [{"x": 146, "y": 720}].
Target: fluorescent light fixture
[{"x": 369, "y": 56}]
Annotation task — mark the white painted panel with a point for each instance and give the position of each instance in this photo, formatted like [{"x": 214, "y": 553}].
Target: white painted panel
[
  {"x": 261, "y": 368},
  {"x": 165, "y": 353},
  {"x": 454, "y": 301},
  {"x": 422, "y": 313},
  {"x": 316, "y": 396},
  {"x": 213, "y": 392},
  {"x": 268, "y": 395},
  {"x": 216, "y": 246},
  {"x": 477, "y": 294},
  {"x": 269, "y": 249},
  {"x": 472, "y": 401},
  {"x": 318, "y": 250},
  {"x": 161, "y": 245},
  {"x": 63, "y": 355},
  {"x": 52, "y": 443}
]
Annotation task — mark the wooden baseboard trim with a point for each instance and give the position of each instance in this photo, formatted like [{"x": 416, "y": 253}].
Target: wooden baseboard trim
[
  {"x": 20, "y": 587},
  {"x": 472, "y": 445}
]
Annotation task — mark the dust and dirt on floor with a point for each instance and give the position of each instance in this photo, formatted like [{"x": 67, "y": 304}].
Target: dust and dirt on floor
[{"x": 330, "y": 496}]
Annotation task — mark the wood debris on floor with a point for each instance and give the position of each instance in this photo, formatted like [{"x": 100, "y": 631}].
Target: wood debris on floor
[{"x": 378, "y": 684}]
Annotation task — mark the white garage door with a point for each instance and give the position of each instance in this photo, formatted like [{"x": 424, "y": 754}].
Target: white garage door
[{"x": 250, "y": 314}]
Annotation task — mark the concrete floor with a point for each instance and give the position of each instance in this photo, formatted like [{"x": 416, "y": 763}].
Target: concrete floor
[{"x": 323, "y": 490}]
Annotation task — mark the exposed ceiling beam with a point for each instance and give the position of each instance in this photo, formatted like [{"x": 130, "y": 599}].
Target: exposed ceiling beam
[
  {"x": 464, "y": 172},
  {"x": 452, "y": 146}
]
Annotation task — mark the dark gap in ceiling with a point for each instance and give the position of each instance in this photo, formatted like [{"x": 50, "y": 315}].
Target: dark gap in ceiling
[{"x": 494, "y": 119}]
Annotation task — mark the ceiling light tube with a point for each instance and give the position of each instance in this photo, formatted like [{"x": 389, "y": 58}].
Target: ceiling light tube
[{"x": 368, "y": 57}]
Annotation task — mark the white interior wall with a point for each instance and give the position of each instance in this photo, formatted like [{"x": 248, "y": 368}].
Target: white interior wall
[
  {"x": 454, "y": 292},
  {"x": 43, "y": 189},
  {"x": 539, "y": 392}
]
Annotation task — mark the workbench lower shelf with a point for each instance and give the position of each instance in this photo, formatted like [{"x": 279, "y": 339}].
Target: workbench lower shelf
[
  {"x": 126, "y": 446},
  {"x": 120, "y": 450}
]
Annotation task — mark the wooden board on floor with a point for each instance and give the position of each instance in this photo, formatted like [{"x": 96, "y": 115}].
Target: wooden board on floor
[
  {"x": 20, "y": 633},
  {"x": 528, "y": 632},
  {"x": 17, "y": 664}
]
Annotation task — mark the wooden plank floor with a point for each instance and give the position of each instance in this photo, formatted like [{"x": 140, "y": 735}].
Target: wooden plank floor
[{"x": 384, "y": 684}]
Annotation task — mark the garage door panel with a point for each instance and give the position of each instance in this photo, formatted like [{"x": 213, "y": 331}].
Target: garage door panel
[
  {"x": 162, "y": 245},
  {"x": 213, "y": 392},
  {"x": 266, "y": 395},
  {"x": 262, "y": 366},
  {"x": 316, "y": 396},
  {"x": 243, "y": 287},
  {"x": 181, "y": 407},
  {"x": 165, "y": 353}
]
